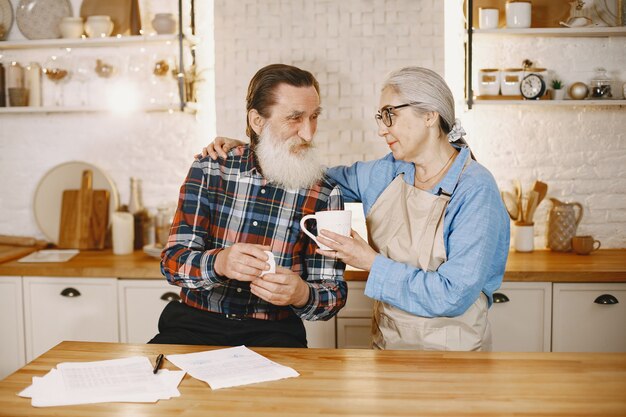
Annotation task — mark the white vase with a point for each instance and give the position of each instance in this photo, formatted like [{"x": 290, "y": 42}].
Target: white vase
[
  {"x": 558, "y": 94},
  {"x": 164, "y": 23}
]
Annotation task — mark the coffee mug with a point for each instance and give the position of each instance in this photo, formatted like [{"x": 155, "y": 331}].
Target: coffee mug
[
  {"x": 271, "y": 262},
  {"x": 338, "y": 221},
  {"x": 584, "y": 245}
]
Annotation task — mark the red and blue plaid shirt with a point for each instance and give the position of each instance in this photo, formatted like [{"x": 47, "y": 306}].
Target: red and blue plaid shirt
[{"x": 228, "y": 201}]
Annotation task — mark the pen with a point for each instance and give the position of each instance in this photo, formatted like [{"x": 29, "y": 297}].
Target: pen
[{"x": 157, "y": 365}]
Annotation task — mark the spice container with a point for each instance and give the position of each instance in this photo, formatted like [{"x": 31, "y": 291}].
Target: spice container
[{"x": 601, "y": 85}]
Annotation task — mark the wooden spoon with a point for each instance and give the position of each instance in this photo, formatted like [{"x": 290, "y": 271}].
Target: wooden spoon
[
  {"x": 518, "y": 194},
  {"x": 542, "y": 190},
  {"x": 531, "y": 205},
  {"x": 510, "y": 202}
]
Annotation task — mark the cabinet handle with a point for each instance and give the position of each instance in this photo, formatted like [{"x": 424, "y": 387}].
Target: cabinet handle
[
  {"x": 606, "y": 299},
  {"x": 170, "y": 296},
  {"x": 498, "y": 297},
  {"x": 70, "y": 292}
]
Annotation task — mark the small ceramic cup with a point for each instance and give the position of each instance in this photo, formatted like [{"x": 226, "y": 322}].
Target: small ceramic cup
[
  {"x": 18, "y": 96},
  {"x": 584, "y": 245}
]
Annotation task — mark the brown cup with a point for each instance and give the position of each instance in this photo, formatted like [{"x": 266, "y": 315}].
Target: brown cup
[
  {"x": 584, "y": 245},
  {"x": 18, "y": 97}
]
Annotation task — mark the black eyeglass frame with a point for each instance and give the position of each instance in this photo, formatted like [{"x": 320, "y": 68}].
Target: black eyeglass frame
[{"x": 386, "y": 112}]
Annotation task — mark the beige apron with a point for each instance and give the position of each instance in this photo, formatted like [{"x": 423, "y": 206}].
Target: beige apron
[{"x": 406, "y": 225}]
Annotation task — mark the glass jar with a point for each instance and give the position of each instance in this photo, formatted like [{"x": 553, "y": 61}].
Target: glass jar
[
  {"x": 601, "y": 85},
  {"x": 163, "y": 222}
]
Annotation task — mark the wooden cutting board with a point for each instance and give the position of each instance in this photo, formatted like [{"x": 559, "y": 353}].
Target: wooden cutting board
[
  {"x": 84, "y": 216},
  {"x": 10, "y": 252}
]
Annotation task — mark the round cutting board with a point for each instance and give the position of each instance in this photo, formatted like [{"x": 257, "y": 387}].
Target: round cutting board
[{"x": 49, "y": 194}]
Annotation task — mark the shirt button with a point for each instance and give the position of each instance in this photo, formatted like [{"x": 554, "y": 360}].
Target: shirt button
[
  {"x": 255, "y": 223},
  {"x": 262, "y": 190},
  {"x": 238, "y": 289}
]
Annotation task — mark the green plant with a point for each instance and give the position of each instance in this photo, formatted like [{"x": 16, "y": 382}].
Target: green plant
[{"x": 557, "y": 84}]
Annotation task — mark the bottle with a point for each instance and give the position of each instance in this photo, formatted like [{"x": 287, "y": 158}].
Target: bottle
[{"x": 141, "y": 217}]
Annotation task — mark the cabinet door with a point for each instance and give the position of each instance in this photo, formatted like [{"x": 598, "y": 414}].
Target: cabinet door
[
  {"x": 11, "y": 326},
  {"x": 320, "y": 334},
  {"x": 141, "y": 304},
  {"x": 58, "y": 309},
  {"x": 583, "y": 323},
  {"x": 520, "y": 321},
  {"x": 354, "y": 333},
  {"x": 358, "y": 305}
]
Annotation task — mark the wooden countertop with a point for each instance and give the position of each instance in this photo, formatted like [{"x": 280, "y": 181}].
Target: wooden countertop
[
  {"x": 351, "y": 382},
  {"x": 538, "y": 266}
]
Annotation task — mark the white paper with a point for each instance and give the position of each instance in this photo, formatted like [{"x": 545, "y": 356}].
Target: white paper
[
  {"x": 50, "y": 255},
  {"x": 118, "y": 380},
  {"x": 231, "y": 367}
]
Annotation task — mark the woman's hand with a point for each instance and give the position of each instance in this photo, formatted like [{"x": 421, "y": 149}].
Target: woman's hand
[
  {"x": 353, "y": 251},
  {"x": 220, "y": 147}
]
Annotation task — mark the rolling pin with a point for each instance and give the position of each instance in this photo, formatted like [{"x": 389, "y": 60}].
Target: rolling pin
[{"x": 21, "y": 241}]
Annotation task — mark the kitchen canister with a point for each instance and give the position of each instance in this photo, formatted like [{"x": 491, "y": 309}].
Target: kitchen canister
[
  {"x": 123, "y": 233},
  {"x": 164, "y": 23},
  {"x": 524, "y": 237},
  {"x": 488, "y": 82},
  {"x": 488, "y": 17},
  {"x": 510, "y": 80},
  {"x": 518, "y": 14}
]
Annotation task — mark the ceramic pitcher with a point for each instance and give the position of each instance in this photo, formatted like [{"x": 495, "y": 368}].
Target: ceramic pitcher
[{"x": 562, "y": 223}]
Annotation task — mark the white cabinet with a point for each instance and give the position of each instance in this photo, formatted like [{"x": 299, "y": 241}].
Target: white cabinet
[
  {"x": 521, "y": 316},
  {"x": 58, "y": 309},
  {"x": 589, "y": 318},
  {"x": 354, "y": 321},
  {"x": 320, "y": 334},
  {"x": 141, "y": 303},
  {"x": 11, "y": 326}
]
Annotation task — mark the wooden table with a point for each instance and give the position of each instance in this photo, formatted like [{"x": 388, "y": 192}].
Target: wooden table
[{"x": 364, "y": 383}]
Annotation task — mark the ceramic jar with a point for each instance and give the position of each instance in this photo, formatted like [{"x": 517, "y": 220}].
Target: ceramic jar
[
  {"x": 71, "y": 27},
  {"x": 518, "y": 14},
  {"x": 164, "y": 23},
  {"x": 98, "y": 26},
  {"x": 488, "y": 17},
  {"x": 489, "y": 82},
  {"x": 509, "y": 84}
]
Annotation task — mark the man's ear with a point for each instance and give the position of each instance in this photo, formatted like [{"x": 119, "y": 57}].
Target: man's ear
[{"x": 256, "y": 121}]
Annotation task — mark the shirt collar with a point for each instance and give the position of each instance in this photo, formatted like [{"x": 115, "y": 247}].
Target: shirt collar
[
  {"x": 249, "y": 163},
  {"x": 449, "y": 182}
]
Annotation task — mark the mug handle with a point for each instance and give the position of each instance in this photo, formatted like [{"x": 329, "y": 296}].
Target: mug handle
[
  {"x": 594, "y": 245},
  {"x": 304, "y": 229}
]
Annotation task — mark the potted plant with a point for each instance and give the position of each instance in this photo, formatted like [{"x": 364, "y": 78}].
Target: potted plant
[{"x": 558, "y": 92}]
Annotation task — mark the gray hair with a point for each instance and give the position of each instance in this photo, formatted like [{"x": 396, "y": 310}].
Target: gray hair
[{"x": 417, "y": 84}]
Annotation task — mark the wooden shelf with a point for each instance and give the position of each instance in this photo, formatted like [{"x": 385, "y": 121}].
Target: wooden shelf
[
  {"x": 189, "y": 108},
  {"x": 551, "y": 102},
  {"x": 557, "y": 32},
  {"x": 92, "y": 42}
]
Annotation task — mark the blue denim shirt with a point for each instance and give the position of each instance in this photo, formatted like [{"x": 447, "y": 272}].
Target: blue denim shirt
[{"x": 476, "y": 237}]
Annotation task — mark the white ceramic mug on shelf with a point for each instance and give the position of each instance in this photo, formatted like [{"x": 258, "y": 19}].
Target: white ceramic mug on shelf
[
  {"x": 488, "y": 17},
  {"x": 518, "y": 14},
  {"x": 338, "y": 221}
]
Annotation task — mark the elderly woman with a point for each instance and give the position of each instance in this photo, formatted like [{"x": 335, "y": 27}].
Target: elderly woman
[{"x": 438, "y": 231}]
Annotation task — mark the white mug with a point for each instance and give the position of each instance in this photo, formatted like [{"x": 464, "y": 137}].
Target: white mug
[
  {"x": 271, "y": 262},
  {"x": 488, "y": 18},
  {"x": 338, "y": 221}
]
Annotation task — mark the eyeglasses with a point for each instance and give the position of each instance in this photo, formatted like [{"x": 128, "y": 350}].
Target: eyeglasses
[{"x": 386, "y": 113}]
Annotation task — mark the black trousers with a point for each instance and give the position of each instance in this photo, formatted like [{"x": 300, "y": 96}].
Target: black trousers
[{"x": 181, "y": 324}]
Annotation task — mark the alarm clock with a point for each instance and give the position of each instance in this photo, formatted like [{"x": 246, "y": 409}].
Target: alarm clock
[{"x": 532, "y": 86}]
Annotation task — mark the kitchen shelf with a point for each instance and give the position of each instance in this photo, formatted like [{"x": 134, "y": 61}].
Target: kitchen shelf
[
  {"x": 94, "y": 42},
  {"x": 605, "y": 102},
  {"x": 556, "y": 32},
  {"x": 189, "y": 108}
]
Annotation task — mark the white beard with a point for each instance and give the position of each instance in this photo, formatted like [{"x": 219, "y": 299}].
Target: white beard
[{"x": 283, "y": 166}]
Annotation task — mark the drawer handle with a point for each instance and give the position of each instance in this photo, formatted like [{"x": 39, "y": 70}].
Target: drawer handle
[
  {"x": 606, "y": 299},
  {"x": 498, "y": 298},
  {"x": 170, "y": 296},
  {"x": 70, "y": 292}
]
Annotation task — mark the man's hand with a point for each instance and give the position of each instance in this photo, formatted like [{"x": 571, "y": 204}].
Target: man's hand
[
  {"x": 220, "y": 147},
  {"x": 242, "y": 261},
  {"x": 353, "y": 251},
  {"x": 283, "y": 288}
]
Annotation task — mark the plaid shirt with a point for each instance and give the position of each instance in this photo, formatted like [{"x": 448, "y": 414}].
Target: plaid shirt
[{"x": 227, "y": 201}]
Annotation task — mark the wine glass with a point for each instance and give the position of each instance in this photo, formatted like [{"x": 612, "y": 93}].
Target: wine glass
[
  {"x": 57, "y": 70},
  {"x": 82, "y": 70}
]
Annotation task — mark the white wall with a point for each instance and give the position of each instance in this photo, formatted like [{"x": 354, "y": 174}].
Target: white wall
[{"x": 349, "y": 45}]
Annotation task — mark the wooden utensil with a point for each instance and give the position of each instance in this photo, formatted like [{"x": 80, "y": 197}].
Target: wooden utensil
[
  {"x": 21, "y": 241},
  {"x": 531, "y": 205},
  {"x": 518, "y": 195},
  {"x": 510, "y": 202},
  {"x": 84, "y": 216},
  {"x": 542, "y": 190}
]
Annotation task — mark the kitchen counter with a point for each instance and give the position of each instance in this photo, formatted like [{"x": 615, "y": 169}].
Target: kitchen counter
[
  {"x": 359, "y": 382},
  {"x": 538, "y": 266}
]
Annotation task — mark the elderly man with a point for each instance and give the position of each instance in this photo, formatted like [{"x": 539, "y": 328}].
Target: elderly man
[{"x": 232, "y": 210}]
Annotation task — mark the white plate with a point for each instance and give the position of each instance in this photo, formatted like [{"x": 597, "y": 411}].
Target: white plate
[
  {"x": 49, "y": 194},
  {"x": 153, "y": 251},
  {"x": 6, "y": 18},
  {"x": 40, "y": 19}
]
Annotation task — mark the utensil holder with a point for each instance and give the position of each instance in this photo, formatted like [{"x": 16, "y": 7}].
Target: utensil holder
[{"x": 524, "y": 237}]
